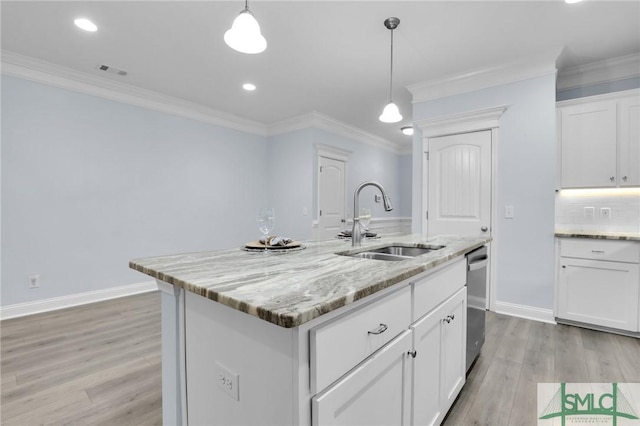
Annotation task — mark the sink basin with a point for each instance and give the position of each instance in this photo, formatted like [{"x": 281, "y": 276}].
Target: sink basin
[
  {"x": 406, "y": 251},
  {"x": 378, "y": 256},
  {"x": 393, "y": 253}
]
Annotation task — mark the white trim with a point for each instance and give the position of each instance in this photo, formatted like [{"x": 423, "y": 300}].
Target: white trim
[
  {"x": 527, "y": 312},
  {"x": 25, "y": 67},
  {"x": 613, "y": 69},
  {"x": 55, "y": 303},
  {"x": 597, "y": 98},
  {"x": 472, "y": 121},
  {"x": 480, "y": 79},
  {"x": 324, "y": 122},
  {"x": 330, "y": 151}
]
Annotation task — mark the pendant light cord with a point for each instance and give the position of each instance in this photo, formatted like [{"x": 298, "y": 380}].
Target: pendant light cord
[{"x": 391, "y": 73}]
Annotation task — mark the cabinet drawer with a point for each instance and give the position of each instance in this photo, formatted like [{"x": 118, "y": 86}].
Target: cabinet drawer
[
  {"x": 431, "y": 290},
  {"x": 615, "y": 251},
  {"x": 347, "y": 340}
]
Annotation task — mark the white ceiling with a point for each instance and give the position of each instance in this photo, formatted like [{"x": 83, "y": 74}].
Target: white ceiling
[{"x": 326, "y": 56}]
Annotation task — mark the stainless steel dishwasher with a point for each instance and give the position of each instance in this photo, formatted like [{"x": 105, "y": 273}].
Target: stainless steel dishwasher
[{"x": 477, "y": 261}]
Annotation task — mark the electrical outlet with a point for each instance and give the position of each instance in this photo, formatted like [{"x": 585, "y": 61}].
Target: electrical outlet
[
  {"x": 588, "y": 212},
  {"x": 377, "y": 198},
  {"x": 228, "y": 381},
  {"x": 34, "y": 281},
  {"x": 605, "y": 212}
]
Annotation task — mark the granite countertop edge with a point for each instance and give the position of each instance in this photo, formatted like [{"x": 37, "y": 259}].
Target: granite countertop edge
[
  {"x": 604, "y": 235},
  {"x": 288, "y": 301}
]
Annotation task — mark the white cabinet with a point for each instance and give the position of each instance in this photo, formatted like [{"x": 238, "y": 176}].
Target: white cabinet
[
  {"x": 599, "y": 283},
  {"x": 377, "y": 392},
  {"x": 599, "y": 141},
  {"x": 439, "y": 365}
]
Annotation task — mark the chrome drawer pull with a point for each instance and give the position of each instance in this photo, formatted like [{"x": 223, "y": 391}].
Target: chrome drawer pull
[
  {"x": 381, "y": 329},
  {"x": 597, "y": 251},
  {"x": 412, "y": 353},
  {"x": 449, "y": 318}
]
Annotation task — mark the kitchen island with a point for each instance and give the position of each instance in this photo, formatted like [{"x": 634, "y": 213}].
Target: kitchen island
[{"x": 284, "y": 338}]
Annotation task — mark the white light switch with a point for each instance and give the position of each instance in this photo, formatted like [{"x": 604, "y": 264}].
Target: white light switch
[{"x": 508, "y": 212}]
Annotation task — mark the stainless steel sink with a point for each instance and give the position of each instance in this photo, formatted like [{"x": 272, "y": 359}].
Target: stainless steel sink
[
  {"x": 393, "y": 252},
  {"x": 378, "y": 256},
  {"x": 406, "y": 251}
]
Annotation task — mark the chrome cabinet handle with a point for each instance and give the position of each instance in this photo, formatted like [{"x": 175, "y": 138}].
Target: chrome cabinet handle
[
  {"x": 484, "y": 229},
  {"x": 597, "y": 251},
  {"x": 624, "y": 178},
  {"x": 449, "y": 318},
  {"x": 612, "y": 178},
  {"x": 412, "y": 353},
  {"x": 381, "y": 329}
]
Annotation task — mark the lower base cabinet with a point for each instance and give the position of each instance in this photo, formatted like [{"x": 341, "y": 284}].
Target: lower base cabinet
[
  {"x": 375, "y": 393},
  {"x": 439, "y": 365},
  {"x": 599, "y": 283}
]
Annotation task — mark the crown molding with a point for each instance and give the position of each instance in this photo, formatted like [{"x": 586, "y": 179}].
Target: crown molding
[
  {"x": 531, "y": 67},
  {"x": 613, "y": 69},
  {"x": 24, "y": 67},
  {"x": 324, "y": 122}
]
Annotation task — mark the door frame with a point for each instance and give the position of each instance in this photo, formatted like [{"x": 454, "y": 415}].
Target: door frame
[
  {"x": 467, "y": 122},
  {"x": 334, "y": 153}
]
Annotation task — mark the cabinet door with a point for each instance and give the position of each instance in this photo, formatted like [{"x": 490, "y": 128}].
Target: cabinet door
[
  {"x": 454, "y": 347},
  {"x": 439, "y": 340},
  {"x": 588, "y": 145},
  {"x": 629, "y": 142},
  {"x": 599, "y": 292},
  {"x": 376, "y": 392}
]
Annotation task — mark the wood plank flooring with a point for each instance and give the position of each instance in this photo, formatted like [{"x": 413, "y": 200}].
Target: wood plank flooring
[
  {"x": 518, "y": 354},
  {"x": 93, "y": 364},
  {"x": 100, "y": 364}
]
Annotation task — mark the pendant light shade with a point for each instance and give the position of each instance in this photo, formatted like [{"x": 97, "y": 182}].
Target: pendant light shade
[
  {"x": 244, "y": 35},
  {"x": 391, "y": 113}
]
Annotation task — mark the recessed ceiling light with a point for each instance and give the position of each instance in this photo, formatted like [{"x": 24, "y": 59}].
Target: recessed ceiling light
[
  {"x": 572, "y": 1},
  {"x": 249, "y": 87},
  {"x": 85, "y": 24},
  {"x": 407, "y": 130}
]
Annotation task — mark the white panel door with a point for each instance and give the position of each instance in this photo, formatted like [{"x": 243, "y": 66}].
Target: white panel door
[
  {"x": 331, "y": 197},
  {"x": 629, "y": 148},
  {"x": 460, "y": 184},
  {"x": 375, "y": 393}
]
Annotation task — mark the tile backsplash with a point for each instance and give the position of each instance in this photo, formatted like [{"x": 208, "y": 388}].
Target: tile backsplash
[{"x": 624, "y": 205}]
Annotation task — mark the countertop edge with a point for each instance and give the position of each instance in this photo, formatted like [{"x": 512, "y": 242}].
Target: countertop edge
[
  {"x": 622, "y": 236},
  {"x": 299, "y": 318}
]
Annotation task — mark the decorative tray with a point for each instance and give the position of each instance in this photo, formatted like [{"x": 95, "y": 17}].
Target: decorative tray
[{"x": 256, "y": 246}]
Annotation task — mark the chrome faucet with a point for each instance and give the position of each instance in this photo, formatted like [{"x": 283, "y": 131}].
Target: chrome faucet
[{"x": 356, "y": 235}]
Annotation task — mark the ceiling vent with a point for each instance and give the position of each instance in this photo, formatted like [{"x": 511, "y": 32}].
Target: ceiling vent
[{"x": 112, "y": 70}]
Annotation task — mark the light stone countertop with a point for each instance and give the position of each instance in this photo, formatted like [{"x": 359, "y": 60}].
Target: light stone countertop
[
  {"x": 289, "y": 289},
  {"x": 628, "y": 236}
]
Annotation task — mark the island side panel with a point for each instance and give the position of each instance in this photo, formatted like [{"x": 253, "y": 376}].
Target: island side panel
[
  {"x": 173, "y": 354},
  {"x": 261, "y": 354}
]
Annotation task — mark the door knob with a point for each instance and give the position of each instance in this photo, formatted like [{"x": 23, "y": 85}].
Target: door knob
[{"x": 484, "y": 229}]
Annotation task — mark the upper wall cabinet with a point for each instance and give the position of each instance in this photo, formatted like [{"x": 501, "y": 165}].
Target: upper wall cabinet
[{"x": 599, "y": 141}]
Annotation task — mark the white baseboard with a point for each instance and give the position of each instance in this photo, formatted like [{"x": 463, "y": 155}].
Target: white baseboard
[
  {"x": 527, "y": 312},
  {"x": 55, "y": 303}
]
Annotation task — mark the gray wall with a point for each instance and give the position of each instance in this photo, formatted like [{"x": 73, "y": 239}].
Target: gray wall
[
  {"x": 525, "y": 179},
  {"x": 88, "y": 184},
  {"x": 598, "y": 89}
]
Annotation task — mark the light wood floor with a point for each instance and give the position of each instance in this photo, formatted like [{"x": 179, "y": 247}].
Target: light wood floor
[
  {"x": 100, "y": 364},
  {"x": 94, "y": 364}
]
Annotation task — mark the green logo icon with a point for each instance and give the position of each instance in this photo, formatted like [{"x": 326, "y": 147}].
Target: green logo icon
[{"x": 585, "y": 404}]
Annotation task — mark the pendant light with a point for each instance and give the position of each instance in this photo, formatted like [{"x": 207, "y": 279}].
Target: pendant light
[
  {"x": 391, "y": 114},
  {"x": 244, "y": 35}
]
